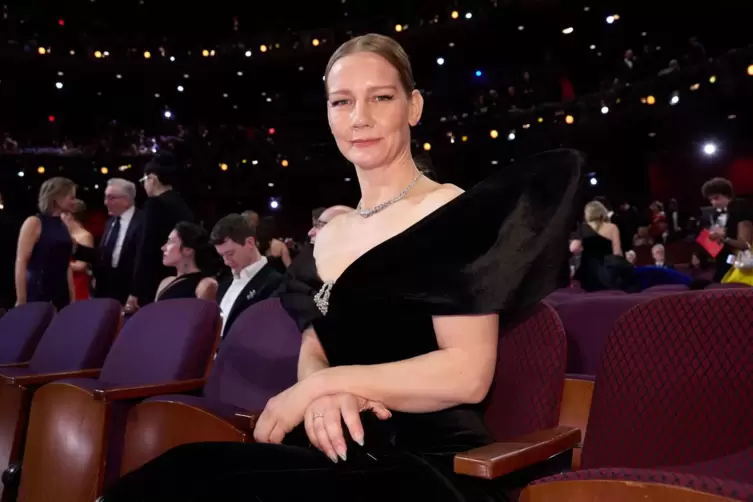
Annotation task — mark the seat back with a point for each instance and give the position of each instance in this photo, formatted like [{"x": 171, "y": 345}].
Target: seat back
[
  {"x": 529, "y": 376},
  {"x": 258, "y": 358},
  {"x": 588, "y": 322},
  {"x": 164, "y": 341},
  {"x": 674, "y": 386},
  {"x": 21, "y": 329},
  {"x": 78, "y": 337},
  {"x": 666, "y": 288},
  {"x": 729, "y": 285}
]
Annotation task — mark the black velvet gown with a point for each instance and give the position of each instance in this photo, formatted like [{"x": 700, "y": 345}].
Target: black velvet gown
[{"x": 497, "y": 248}]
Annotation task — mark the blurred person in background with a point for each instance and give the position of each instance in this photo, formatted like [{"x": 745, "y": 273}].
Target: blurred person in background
[
  {"x": 8, "y": 238},
  {"x": 274, "y": 249},
  {"x": 163, "y": 210},
  {"x": 114, "y": 260},
  {"x": 188, "y": 251},
  {"x": 253, "y": 279},
  {"x": 43, "y": 272},
  {"x": 732, "y": 224},
  {"x": 74, "y": 221}
]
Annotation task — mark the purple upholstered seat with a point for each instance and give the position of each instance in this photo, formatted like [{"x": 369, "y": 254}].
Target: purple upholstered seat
[
  {"x": 78, "y": 338},
  {"x": 257, "y": 360},
  {"x": 21, "y": 329},
  {"x": 163, "y": 344},
  {"x": 673, "y": 400},
  {"x": 730, "y": 285},
  {"x": 588, "y": 321},
  {"x": 666, "y": 288}
]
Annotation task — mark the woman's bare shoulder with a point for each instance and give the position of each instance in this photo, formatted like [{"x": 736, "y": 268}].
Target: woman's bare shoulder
[{"x": 439, "y": 195}]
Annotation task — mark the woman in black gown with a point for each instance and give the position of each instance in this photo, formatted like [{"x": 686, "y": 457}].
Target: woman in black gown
[
  {"x": 187, "y": 250},
  {"x": 393, "y": 370}
]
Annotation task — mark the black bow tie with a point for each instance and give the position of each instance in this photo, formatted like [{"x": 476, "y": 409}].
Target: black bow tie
[{"x": 722, "y": 210}]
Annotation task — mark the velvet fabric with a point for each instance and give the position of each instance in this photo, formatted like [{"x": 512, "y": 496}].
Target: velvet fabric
[{"x": 497, "y": 248}]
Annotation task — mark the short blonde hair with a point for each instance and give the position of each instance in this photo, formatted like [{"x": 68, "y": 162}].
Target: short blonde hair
[
  {"x": 51, "y": 190},
  {"x": 596, "y": 212},
  {"x": 383, "y": 46}
]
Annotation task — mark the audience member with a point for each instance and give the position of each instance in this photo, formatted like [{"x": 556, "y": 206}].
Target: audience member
[
  {"x": 162, "y": 211},
  {"x": 74, "y": 221},
  {"x": 253, "y": 278},
  {"x": 732, "y": 224},
  {"x": 44, "y": 251},
  {"x": 187, "y": 250}
]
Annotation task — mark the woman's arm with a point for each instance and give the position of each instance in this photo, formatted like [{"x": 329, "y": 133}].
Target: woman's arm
[
  {"x": 71, "y": 285},
  {"x": 312, "y": 358},
  {"x": 278, "y": 248},
  {"x": 207, "y": 289},
  {"x": 614, "y": 236},
  {"x": 576, "y": 246},
  {"x": 460, "y": 372},
  {"x": 27, "y": 239},
  {"x": 85, "y": 240},
  {"x": 744, "y": 236}
]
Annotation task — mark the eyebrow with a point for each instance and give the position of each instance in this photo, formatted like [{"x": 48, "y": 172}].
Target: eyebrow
[{"x": 370, "y": 89}]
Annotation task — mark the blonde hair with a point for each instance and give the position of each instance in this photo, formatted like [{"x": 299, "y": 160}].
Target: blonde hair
[
  {"x": 596, "y": 214},
  {"x": 51, "y": 190},
  {"x": 383, "y": 46}
]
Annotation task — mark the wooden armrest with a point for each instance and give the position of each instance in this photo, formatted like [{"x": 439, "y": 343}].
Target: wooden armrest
[
  {"x": 245, "y": 421},
  {"x": 575, "y": 410},
  {"x": 43, "y": 378},
  {"x": 144, "y": 391},
  {"x": 576, "y": 403},
  {"x": 499, "y": 459},
  {"x": 14, "y": 365}
]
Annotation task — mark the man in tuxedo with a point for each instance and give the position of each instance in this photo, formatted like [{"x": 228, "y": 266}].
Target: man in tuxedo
[
  {"x": 113, "y": 272},
  {"x": 164, "y": 209},
  {"x": 253, "y": 278}
]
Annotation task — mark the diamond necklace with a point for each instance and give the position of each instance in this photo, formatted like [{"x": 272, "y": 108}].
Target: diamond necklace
[{"x": 384, "y": 205}]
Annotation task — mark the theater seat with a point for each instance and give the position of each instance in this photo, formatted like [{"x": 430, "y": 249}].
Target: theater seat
[
  {"x": 257, "y": 360},
  {"x": 672, "y": 406},
  {"x": 20, "y": 331},
  {"x": 74, "y": 345},
  {"x": 76, "y": 426}
]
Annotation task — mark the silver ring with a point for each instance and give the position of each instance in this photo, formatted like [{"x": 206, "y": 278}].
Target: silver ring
[{"x": 318, "y": 415}]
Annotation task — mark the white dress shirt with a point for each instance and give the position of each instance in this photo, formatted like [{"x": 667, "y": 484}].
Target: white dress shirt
[
  {"x": 125, "y": 220},
  {"x": 240, "y": 281}
]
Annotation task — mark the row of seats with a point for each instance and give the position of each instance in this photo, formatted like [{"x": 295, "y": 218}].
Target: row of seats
[{"x": 670, "y": 401}]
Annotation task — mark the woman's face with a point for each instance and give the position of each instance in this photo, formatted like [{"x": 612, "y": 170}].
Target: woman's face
[
  {"x": 172, "y": 251},
  {"x": 368, "y": 110},
  {"x": 67, "y": 203}
]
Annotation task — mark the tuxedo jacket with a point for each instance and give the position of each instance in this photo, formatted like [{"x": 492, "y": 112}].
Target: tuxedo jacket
[
  {"x": 118, "y": 282},
  {"x": 259, "y": 288}
]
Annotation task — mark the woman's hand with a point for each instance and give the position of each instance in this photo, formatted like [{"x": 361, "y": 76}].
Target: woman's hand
[
  {"x": 282, "y": 413},
  {"x": 324, "y": 419}
]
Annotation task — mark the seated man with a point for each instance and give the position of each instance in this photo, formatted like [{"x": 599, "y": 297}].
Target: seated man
[{"x": 252, "y": 280}]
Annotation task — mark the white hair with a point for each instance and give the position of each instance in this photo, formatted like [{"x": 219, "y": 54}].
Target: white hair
[
  {"x": 125, "y": 186},
  {"x": 658, "y": 247}
]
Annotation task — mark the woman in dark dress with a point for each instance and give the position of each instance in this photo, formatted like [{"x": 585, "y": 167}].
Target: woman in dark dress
[
  {"x": 393, "y": 370},
  {"x": 602, "y": 265},
  {"x": 43, "y": 272},
  {"x": 187, "y": 250}
]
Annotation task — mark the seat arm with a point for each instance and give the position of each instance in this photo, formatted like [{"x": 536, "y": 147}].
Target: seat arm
[
  {"x": 144, "y": 391},
  {"x": 43, "y": 378},
  {"x": 499, "y": 459},
  {"x": 245, "y": 421},
  {"x": 15, "y": 365}
]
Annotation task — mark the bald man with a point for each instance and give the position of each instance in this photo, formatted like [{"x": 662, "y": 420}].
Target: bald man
[{"x": 325, "y": 217}]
